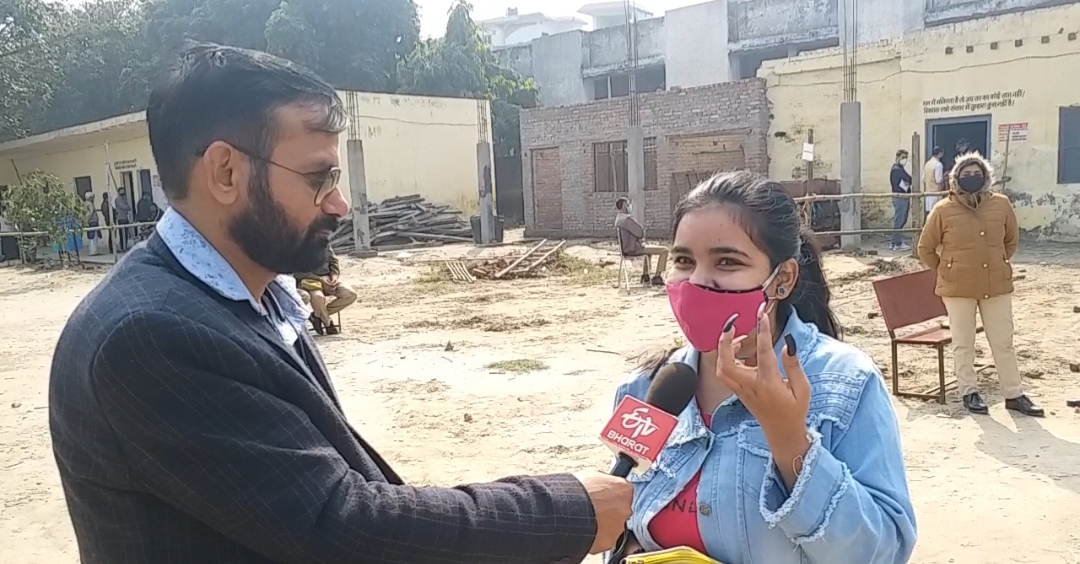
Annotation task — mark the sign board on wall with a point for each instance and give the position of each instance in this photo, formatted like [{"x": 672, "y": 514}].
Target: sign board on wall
[
  {"x": 126, "y": 164},
  {"x": 1012, "y": 132},
  {"x": 973, "y": 103},
  {"x": 808, "y": 152}
]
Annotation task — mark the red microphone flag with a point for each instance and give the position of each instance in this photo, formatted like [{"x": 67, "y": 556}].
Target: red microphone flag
[{"x": 639, "y": 431}]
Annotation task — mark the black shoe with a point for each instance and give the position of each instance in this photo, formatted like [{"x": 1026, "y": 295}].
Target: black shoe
[
  {"x": 645, "y": 279},
  {"x": 1024, "y": 405},
  {"x": 332, "y": 329},
  {"x": 317, "y": 324},
  {"x": 974, "y": 403},
  {"x": 657, "y": 281}
]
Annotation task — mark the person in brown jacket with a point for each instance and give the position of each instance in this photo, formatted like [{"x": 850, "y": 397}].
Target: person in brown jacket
[{"x": 977, "y": 234}]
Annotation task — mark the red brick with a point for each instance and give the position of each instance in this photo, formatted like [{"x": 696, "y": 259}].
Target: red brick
[{"x": 695, "y": 127}]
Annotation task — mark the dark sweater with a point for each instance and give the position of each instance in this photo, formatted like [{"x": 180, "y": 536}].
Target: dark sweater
[{"x": 898, "y": 175}]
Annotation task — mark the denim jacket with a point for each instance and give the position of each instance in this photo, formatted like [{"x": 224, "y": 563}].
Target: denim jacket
[{"x": 850, "y": 504}]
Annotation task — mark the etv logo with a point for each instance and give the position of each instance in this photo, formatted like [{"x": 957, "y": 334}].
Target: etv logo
[
  {"x": 639, "y": 430},
  {"x": 639, "y": 422}
]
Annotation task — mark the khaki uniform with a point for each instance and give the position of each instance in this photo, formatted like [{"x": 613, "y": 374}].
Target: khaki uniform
[{"x": 977, "y": 235}]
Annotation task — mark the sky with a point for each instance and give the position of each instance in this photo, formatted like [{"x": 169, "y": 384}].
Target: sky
[{"x": 433, "y": 12}]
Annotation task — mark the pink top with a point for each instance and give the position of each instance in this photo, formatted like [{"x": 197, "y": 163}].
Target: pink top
[{"x": 677, "y": 524}]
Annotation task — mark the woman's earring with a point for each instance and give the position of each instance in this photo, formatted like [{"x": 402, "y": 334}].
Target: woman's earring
[{"x": 780, "y": 292}]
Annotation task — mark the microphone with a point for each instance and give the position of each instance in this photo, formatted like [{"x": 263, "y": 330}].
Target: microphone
[{"x": 638, "y": 430}]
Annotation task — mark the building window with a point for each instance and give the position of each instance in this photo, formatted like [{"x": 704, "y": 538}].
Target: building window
[
  {"x": 1069, "y": 145},
  {"x": 649, "y": 79},
  {"x": 609, "y": 166},
  {"x": 83, "y": 186},
  {"x": 620, "y": 85},
  {"x": 651, "y": 182},
  {"x": 600, "y": 89},
  {"x": 652, "y": 79}
]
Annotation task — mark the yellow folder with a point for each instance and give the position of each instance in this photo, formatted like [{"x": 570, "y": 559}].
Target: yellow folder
[{"x": 679, "y": 555}]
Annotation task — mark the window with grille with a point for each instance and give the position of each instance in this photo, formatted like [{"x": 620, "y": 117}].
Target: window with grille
[
  {"x": 609, "y": 166},
  {"x": 651, "y": 182},
  {"x": 1069, "y": 145}
]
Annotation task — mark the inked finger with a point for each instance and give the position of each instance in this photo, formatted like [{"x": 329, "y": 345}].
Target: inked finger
[
  {"x": 725, "y": 348},
  {"x": 766, "y": 357},
  {"x": 797, "y": 380},
  {"x": 728, "y": 369}
]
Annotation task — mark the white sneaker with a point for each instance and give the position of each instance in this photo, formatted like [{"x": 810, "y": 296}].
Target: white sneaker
[{"x": 902, "y": 247}]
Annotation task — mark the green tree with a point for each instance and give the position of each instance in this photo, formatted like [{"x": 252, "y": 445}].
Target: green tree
[
  {"x": 64, "y": 63},
  {"x": 289, "y": 35},
  {"x": 461, "y": 64},
  {"x": 104, "y": 65},
  {"x": 354, "y": 44},
  {"x": 28, "y": 62},
  {"x": 41, "y": 203}
]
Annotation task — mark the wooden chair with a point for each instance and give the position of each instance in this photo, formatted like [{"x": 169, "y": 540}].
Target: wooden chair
[
  {"x": 306, "y": 297},
  {"x": 908, "y": 300}
]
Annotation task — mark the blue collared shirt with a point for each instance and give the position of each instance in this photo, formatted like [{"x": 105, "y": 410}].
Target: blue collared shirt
[
  {"x": 850, "y": 503},
  {"x": 204, "y": 262}
]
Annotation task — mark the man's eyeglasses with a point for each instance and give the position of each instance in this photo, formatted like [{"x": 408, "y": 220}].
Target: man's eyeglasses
[{"x": 321, "y": 182}]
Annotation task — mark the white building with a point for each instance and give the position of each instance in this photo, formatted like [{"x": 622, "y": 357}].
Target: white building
[
  {"x": 611, "y": 14},
  {"x": 516, "y": 29}
]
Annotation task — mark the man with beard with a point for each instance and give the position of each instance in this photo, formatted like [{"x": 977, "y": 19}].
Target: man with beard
[{"x": 193, "y": 419}]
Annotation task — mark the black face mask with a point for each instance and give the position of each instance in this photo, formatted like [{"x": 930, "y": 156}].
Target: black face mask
[{"x": 971, "y": 184}]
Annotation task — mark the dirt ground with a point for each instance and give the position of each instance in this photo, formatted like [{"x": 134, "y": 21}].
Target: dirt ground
[{"x": 468, "y": 382}]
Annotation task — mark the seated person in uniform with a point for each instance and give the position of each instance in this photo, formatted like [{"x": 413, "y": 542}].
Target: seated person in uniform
[
  {"x": 632, "y": 241},
  {"x": 325, "y": 293}
]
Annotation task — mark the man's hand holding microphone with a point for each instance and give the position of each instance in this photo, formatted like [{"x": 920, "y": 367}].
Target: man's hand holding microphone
[
  {"x": 611, "y": 497},
  {"x": 636, "y": 432}
]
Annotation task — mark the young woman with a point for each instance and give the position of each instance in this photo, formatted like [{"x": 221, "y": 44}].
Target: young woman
[
  {"x": 791, "y": 452},
  {"x": 977, "y": 233}
]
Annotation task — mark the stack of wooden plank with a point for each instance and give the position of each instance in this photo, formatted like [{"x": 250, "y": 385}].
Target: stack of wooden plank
[
  {"x": 527, "y": 264},
  {"x": 404, "y": 222}
]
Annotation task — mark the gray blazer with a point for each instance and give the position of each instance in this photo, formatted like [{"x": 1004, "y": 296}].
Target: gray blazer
[{"x": 187, "y": 431}]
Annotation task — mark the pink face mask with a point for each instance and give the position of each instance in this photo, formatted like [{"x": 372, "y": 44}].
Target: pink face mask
[{"x": 702, "y": 312}]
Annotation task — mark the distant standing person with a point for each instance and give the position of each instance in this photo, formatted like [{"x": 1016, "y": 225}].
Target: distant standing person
[
  {"x": 901, "y": 184},
  {"x": 142, "y": 209},
  {"x": 92, "y": 222},
  {"x": 123, "y": 217},
  {"x": 963, "y": 147},
  {"x": 632, "y": 244},
  {"x": 934, "y": 179},
  {"x": 106, "y": 220},
  {"x": 977, "y": 233}
]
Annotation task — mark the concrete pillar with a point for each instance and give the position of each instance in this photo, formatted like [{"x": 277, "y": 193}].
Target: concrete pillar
[
  {"x": 635, "y": 164},
  {"x": 486, "y": 186},
  {"x": 850, "y": 172},
  {"x": 354, "y": 149}
]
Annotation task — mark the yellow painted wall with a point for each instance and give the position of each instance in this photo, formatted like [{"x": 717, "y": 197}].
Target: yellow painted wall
[
  {"x": 805, "y": 93},
  {"x": 412, "y": 145},
  {"x": 903, "y": 84},
  {"x": 88, "y": 159},
  {"x": 419, "y": 145}
]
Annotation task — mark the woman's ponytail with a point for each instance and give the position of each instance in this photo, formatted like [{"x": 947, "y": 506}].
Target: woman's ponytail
[{"x": 811, "y": 295}]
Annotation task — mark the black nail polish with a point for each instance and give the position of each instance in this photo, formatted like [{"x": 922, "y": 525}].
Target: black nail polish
[
  {"x": 790, "y": 342},
  {"x": 730, "y": 323}
]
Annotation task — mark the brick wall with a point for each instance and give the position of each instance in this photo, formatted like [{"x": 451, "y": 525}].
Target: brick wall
[{"x": 722, "y": 126}]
